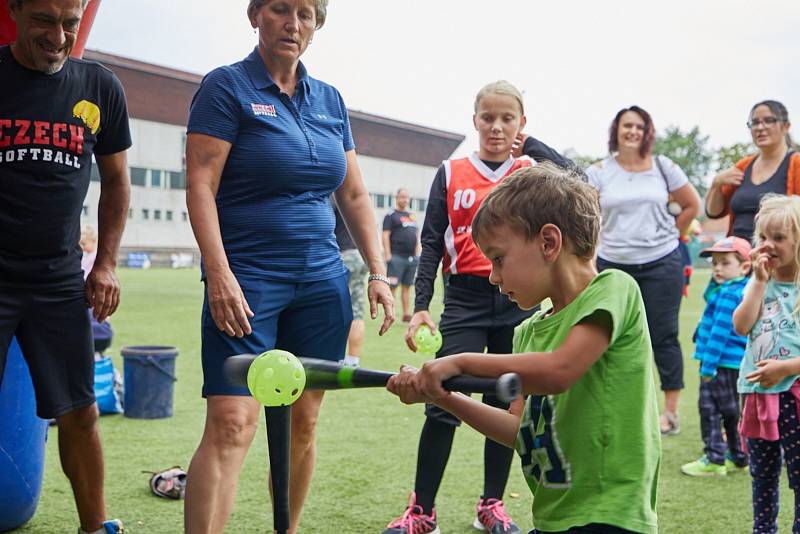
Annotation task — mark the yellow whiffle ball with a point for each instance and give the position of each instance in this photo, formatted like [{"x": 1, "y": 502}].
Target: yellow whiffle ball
[
  {"x": 276, "y": 378},
  {"x": 427, "y": 342}
]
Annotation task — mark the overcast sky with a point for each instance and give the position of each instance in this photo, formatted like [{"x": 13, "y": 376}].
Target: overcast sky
[{"x": 701, "y": 62}]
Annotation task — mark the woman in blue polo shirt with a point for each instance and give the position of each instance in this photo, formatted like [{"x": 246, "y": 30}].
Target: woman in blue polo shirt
[{"x": 266, "y": 146}]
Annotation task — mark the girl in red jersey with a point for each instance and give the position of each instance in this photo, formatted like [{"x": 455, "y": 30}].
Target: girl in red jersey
[{"x": 476, "y": 316}]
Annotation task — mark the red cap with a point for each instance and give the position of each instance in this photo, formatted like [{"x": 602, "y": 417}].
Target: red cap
[{"x": 730, "y": 244}]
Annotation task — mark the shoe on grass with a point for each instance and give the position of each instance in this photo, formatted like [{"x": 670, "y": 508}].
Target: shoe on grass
[
  {"x": 350, "y": 361},
  {"x": 169, "y": 484},
  {"x": 414, "y": 520},
  {"x": 732, "y": 467},
  {"x": 492, "y": 518},
  {"x": 670, "y": 425},
  {"x": 702, "y": 467},
  {"x": 113, "y": 526}
]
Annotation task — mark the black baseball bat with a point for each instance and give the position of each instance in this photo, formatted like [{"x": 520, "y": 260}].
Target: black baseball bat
[{"x": 325, "y": 374}]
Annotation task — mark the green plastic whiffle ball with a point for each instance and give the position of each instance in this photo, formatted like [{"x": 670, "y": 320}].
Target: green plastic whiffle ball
[
  {"x": 276, "y": 378},
  {"x": 427, "y": 342}
]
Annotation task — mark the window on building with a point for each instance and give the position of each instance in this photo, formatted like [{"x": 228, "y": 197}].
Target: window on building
[
  {"x": 157, "y": 215},
  {"x": 184, "y": 216},
  {"x": 95, "y": 175},
  {"x": 177, "y": 180},
  {"x": 155, "y": 179},
  {"x": 145, "y": 214},
  {"x": 130, "y": 213},
  {"x": 85, "y": 210},
  {"x": 169, "y": 215},
  {"x": 138, "y": 176},
  {"x": 380, "y": 201},
  {"x": 422, "y": 204}
]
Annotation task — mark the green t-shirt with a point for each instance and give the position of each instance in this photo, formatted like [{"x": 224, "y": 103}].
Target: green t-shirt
[{"x": 592, "y": 453}]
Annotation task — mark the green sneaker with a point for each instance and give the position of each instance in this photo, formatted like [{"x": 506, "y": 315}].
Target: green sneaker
[
  {"x": 733, "y": 467},
  {"x": 703, "y": 468}
]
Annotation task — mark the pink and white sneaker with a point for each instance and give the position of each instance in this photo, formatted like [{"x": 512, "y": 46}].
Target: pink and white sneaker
[
  {"x": 492, "y": 518},
  {"x": 413, "y": 520}
]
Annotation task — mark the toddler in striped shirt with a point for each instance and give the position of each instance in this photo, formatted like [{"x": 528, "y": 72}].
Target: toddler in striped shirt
[{"x": 720, "y": 349}]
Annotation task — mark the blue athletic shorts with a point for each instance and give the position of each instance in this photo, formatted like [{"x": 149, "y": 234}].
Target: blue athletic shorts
[{"x": 307, "y": 319}]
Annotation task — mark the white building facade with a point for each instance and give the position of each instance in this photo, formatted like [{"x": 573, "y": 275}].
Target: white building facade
[{"x": 392, "y": 155}]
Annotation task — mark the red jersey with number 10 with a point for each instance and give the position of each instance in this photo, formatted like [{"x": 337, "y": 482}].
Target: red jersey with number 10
[{"x": 469, "y": 180}]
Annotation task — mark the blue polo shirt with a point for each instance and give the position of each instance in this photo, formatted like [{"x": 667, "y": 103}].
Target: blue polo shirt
[{"x": 287, "y": 157}]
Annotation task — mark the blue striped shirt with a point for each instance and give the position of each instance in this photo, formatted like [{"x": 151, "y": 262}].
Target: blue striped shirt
[
  {"x": 287, "y": 157},
  {"x": 717, "y": 343}
]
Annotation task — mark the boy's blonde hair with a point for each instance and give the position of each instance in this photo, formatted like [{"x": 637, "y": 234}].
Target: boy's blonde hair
[
  {"x": 500, "y": 87},
  {"x": 543, "y": 194},
  {"x": 785, "y": 210}
]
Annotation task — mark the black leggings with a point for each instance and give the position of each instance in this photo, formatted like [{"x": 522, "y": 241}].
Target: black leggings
[
  {"x": 476, "y": 317},
  {"x": 766, "y": 459},
  {"x": 661, "y": 284}
]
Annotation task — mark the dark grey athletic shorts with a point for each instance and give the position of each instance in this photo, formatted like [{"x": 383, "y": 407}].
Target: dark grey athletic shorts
[{"x": 53, "y": 331}]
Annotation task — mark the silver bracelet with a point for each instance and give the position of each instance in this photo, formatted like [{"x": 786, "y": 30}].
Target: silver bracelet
[{"x": 378, "y": 277}]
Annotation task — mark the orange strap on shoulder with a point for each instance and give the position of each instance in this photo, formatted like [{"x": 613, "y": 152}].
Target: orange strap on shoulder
[{"x": 793, "y": 175}]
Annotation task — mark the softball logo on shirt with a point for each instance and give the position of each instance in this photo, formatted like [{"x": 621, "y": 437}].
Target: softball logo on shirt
[
  {"x": 266, "y": 110},
  {"x": 409, "y": 221},
  {"x": 89, "y": 113},
  {"x": 37, "y": 140}
]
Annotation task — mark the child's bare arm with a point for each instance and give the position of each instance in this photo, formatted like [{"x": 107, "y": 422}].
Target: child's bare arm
[
  {"x": 770, "y": 372},
  {"x": 494, "y": 423},
  {"x": 541, "y": 373},
  {"x": 748, "y": 311}
]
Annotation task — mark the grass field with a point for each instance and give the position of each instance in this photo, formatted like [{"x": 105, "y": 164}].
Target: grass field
[{"x": 366, "y": 443}]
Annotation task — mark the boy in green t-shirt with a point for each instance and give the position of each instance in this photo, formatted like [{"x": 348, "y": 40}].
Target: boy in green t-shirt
[{"x": 588, "y": 434}]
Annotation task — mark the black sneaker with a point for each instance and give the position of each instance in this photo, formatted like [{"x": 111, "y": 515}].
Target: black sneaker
[
  {"x": 414, "y": 520},
  {"x": 492, "y": 518}
]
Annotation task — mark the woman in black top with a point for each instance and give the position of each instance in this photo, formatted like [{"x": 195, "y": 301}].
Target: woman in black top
[{"x": 737, "y": 191}]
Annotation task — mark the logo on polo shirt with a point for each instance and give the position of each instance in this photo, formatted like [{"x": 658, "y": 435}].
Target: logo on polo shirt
[{"x": 267, "y": 110}]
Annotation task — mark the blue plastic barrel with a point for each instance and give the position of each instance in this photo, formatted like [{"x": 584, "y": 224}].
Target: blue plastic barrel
[
  {"x": 149, "y": 377},
  {"x": 22, "y": 440}
]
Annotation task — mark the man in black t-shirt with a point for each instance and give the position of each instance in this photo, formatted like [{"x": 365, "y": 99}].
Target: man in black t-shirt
[
  {"x": 401, "y": 249},
  {"x": 55, "y": 113}
]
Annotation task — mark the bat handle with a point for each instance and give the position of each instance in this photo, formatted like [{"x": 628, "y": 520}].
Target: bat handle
[
  {"x": 507, "y": 387},
  {"x": 279, "y": 427}
]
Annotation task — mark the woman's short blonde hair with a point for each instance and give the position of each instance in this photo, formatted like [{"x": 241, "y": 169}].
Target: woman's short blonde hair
[
  {"x": 320, "y": 9},
  {"x": 500, "y": 87}
]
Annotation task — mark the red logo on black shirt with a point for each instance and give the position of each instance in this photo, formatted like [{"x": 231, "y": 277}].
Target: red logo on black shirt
[{"x": 32, "y": 140}]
